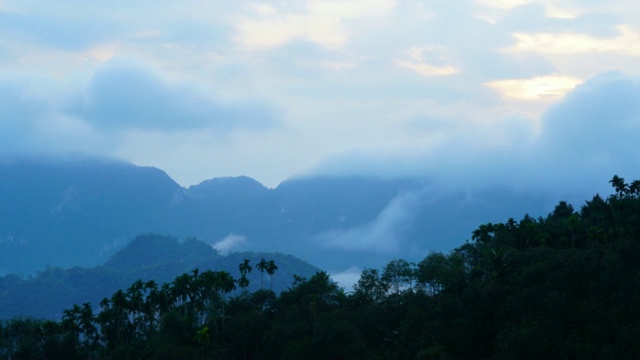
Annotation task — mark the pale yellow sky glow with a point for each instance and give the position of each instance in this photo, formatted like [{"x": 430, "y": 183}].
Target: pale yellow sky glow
[
  {"x": 502, "y": 4},
  {"x": 627, "y": 42},
  {"x": 543, "y": 88},
  {"x": 420, "y": 61},
  {"x": 320, "y": 22},
  {"x": 428, "y": 70},
  {"x": 559, "y": 9}
]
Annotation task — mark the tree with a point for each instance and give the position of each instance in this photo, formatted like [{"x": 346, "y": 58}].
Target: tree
[
  {"x": 245, "y": 268},
  {"x": 271, "y": 269},
  {"x": 398, "y": 274},
  {"x": 225, "y": 284},
  {"x": 369, "y": 287},
  {"x": 262, "y": 266},
  {"x": 619, "y": 185},
  {"x": 431, "y": 272}
]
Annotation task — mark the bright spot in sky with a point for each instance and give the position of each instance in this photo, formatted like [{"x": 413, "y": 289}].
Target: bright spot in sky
[{"x": 538, "y": 88}]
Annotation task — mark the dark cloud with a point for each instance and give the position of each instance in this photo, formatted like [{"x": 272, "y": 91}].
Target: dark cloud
[{"x": 122, "y": 95}]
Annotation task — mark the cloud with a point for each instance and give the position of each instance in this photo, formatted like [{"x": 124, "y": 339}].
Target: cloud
[
  {"x": 421, "y": 60},
  {"x": 553, "y": 8},
  {"x": 384, "y": 234},
  {"x": 581, "y": 141},
  {"x": 425, "y": 69},
  {"x": 122, "y": 95},
  {"x": 346, "y": 279},
  {"x": 32, "y": 124},
  {"x": 319, "y": 21},
  {"x": 594, "y": 129},
  {"x": 502, "y": 4},
  {"x": 537, "y": 88},
  {"x": 230, "y": 243},
  {"x": 60, "y": 31},
  {"x": 627, "y": 43}
]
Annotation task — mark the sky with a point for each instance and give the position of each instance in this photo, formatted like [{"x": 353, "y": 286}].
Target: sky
[{"x": 484, "y": 91}]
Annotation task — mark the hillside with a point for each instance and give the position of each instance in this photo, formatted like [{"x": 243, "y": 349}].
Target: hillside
[{"x": 147, "y": 257}]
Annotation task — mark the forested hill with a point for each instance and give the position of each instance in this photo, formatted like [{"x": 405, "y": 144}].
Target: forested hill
[
  {"x": 563, "y": 286},
  {"x": 80, "y": 212},
  {"x": 148, "y": 257}
]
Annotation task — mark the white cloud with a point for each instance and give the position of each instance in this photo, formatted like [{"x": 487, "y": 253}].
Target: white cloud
[
  {"x": 320, "y": 21},
  {"x": 553, "y": 8},
  {"x": 626, "y": 43},
  {"x": 539, "y": 88},
  {"x": 560, "y": 13},
  {"x": 230, "y": 243},
  {"x": 502, "y": 4},
  {"x": 428, "y": 70},
  {"x": 346, "y": 279},
  {"x": 382, "y": 235},
  {"x": 428, "y": 61}
]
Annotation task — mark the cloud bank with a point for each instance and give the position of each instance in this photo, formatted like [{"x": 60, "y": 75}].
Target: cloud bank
[
  {"x": 124, "y": 95},
  {"x": 384, "y": 234},
  {"x": 578, "y": 144}
]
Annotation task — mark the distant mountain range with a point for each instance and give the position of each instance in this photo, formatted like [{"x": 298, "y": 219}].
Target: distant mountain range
[{"x": 80, "y": 212}]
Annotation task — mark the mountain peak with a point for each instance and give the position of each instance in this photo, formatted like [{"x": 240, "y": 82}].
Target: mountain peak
[{"x": 153, "y": 250}]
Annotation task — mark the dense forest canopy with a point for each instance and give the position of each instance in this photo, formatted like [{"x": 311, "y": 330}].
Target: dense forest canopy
[{"x": 563, "y": 286}]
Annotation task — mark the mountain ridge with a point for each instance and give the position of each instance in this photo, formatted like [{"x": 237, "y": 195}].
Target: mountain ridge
[{"x": 78, "y": 213}]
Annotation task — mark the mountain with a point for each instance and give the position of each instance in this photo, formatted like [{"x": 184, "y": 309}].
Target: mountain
[
  {"x": 80, "y": 212},
  {"x": 66, "y": 213},
  {"x": 147, "y": 257}
]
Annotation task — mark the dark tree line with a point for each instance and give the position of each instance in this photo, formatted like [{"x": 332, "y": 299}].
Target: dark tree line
[{"x": 564, "y": 286}]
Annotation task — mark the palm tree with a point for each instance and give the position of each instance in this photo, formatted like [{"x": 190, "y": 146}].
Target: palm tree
[
  {"x": 150, "y": 306},
  {"x": 119, "y": 301},
  {"x": 245, "y": 268},
  {"x": 271, "y": 268},
  {"x": 180, "y": 290},
  {"x": 243, "y": 282},
  {"x": 619, "y": 185},
  {"x": 135, "y": 299},
  {"x": 225, "y": 284},
  {"x": 208, "y": 287},
  {"x": 262, "y": 266},
  {"x": 87, "y": 326}
]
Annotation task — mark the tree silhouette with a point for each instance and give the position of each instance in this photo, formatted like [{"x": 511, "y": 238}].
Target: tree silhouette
[
  {"x": 271, "y": 269},
  {"x": 245, "y": 268},
  {"x": 398, "y": 274},
  {"x": 262, "y": 266}
]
